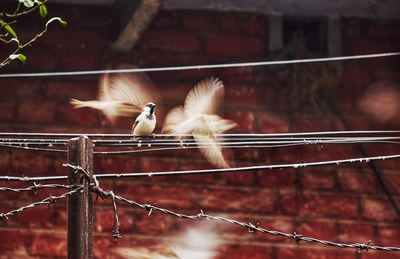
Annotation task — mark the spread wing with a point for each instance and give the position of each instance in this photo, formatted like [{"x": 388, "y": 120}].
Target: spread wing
[
  {"x": 211, "y": 150},
  {"x": 121, "y": 95},
  {"x": 204, "y": 97}
]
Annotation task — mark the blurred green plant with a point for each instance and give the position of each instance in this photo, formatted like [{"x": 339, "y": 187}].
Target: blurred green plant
[{"x": 9, "y": 36}]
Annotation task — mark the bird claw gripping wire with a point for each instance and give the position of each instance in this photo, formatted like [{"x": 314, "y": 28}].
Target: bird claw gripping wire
[{"x": 297, "y": 238}]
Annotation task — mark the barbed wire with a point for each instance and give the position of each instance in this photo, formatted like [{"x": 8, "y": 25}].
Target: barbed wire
[
  {"x": 50, "y": 200},
  {"x": 196, "y": 67},
  {"x": 249, "y": 226},
  {"x": 37, "y": 186}
]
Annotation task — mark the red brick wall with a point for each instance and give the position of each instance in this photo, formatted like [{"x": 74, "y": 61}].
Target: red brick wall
[{"x": 340, "y": 203}]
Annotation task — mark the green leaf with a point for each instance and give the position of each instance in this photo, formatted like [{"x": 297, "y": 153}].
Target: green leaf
[
  {"x": 8, "y": 28},
  {"x": 61, "y": 21},
  {"x": 27, "y": 3},
  {"x": 42, "y": 10},
  {"x": 19, "y": 56}
]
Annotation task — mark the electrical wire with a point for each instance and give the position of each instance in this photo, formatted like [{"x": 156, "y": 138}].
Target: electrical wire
[{"x": 195, "y": 67}]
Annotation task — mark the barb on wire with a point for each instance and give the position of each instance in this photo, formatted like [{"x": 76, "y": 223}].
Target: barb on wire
[
  {"x": 50, "y": 200},
  {"x": 256, "y": 228}
]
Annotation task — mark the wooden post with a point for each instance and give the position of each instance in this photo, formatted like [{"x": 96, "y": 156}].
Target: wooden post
[{"x": 80, "y": 205}]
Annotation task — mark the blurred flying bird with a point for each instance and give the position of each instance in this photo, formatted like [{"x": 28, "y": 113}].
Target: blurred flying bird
[
  {"x": 194, "y": 243},
  {"x": 197, "y": 117},
  {"x": 126, "y": 95}
]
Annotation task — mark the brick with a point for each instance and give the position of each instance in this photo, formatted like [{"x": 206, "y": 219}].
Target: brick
[
  {"x": 256, "y": 25},
  {"x": 355, "y": 232},
  {"x": 272, "y": 123},
  {"x": 378, "y": 209},
  {"x": 389, "y": 235},
  {"x": 36, "y": 111},
  {"x": 66, "y": 114},
  {"x": 166, "y": 19},
  {"x": 354, "y": 76},
  {"x": 202, "y": 22},
  {"x": 238, "y": 251},
  {"x": 48, "y": 61},
  {"x": 313, "y": 253},
  {"x": 13, "y": 240},
  {"x": 25, "y": 163},
  {"x": 104, "y": 219},
  {"x": 80, "y": 61},
  {"x": 86, "y": 90},
  {"x": 33, "y": 218},
  {"x": 167, "y": 196},
  {"x": 4, "y": 162},
  {"x": 244, "y": 200},
  {"x": 384, "y": 29},
  {"x": 365, "y": 46},
  {"x": 352, "y": 28},
  {"x": 7, "y": 109},
  {"x": 378, "y": 254},
  {"x": 277, "y": 179},
  {"x": 238, "y": 95},
  {"x": 357, "y": 181},
  {"x": 234, "y": 45},
  {"x": 237, "y": 178},
  {"x": 230, "y": 23},
  {"x": 19, "y": 87},
  {"x": 311, "y": 122},
  {"x": 176, "y": 41},
  {"x": 156, "y": 224},
  {"x": 318, "y": 204},
  {"x": 321, "y": 229},
  {"x": 118, "y": 164},
  {"x": 318, "y": 179},
  {"x": 244, "y": 119},
  {"x": 48, "y": 244},
  {"x": 391, "y": 177}
]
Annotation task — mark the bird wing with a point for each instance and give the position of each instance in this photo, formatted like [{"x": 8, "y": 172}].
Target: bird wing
[
  {"x": 210, "y": 149},
  {"x": 174, "y": 120},
  {"x": 203, "y": 98},
  {"x": 122, "y": 95}
]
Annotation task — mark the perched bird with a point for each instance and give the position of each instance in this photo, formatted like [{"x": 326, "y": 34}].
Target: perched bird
[
  {"x": 146, "y": 121},
  {"x": 126, "y": 95},
  {"x": 197, "y": 117}
]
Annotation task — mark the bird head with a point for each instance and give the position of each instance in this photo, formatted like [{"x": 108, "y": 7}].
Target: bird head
[{"x": 149, "y": 107}]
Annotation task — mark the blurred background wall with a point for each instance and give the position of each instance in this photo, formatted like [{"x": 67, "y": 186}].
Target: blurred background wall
[{"x": 339, "y": 203}]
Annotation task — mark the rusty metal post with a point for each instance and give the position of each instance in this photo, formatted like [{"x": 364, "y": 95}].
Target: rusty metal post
[{"x": 80, "y": 205}]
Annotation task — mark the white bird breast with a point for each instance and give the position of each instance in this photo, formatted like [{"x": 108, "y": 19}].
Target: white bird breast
[{"x": 145, "y": 126}]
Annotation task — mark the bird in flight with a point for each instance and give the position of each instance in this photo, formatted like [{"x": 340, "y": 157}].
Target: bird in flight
[
  {"x": 126, "y": 95},
  {"x": 197, "y": 117}
]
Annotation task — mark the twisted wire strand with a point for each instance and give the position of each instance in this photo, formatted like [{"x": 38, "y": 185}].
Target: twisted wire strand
[{"x": 50, "y": 200}]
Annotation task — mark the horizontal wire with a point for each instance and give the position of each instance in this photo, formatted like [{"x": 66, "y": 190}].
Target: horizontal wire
[
  {"x": 50, "y": 200},
  {"x": 98, "y": 135},
  {"x": 180, "y": 142},
  {"x": 206, "y": 171},
  {"x": 225, "y": 146},
  {"x": 192, "y": 67}
]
